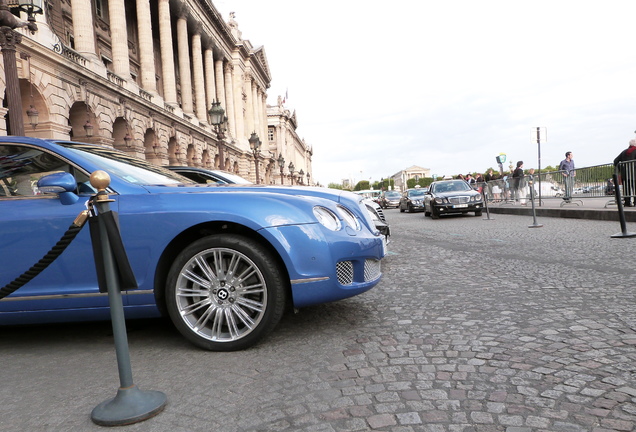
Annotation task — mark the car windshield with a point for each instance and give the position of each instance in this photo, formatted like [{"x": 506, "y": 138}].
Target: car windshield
[
  {"x": 416, "y": 192},
  {"x": 451, "y": 186},
  {"x": 128, "y": 168},
  {"x": 392, "y": 194},
  {"x": 233, "y": 178}
]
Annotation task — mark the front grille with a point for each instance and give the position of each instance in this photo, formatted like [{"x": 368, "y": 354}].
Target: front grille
[
  {"x": 371, "y": 270},
  {"x": 459, "y": 199},
  {"x": 344, "y": 272},
  {"x": 380, "y": 213}
]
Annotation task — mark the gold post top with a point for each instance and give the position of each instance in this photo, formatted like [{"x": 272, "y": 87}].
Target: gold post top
[{"x": 100, "y": 181}]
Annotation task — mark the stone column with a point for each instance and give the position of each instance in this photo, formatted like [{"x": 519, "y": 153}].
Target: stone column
[
  {"x": 167, "y": 54},
  {"x": 210, "y": 90},
  {"x": 229, "y": 100},
  {"x": 256, "y": 110},
  {"x": 220, "y": 83},
  {"x": 83, "y": 31},
  {"x": 264, "y": 125},
  {"x": 146, "y": 52},
  {"x": 248, "y": 82},
  {"x": 239, "y": 108},
  {"x": 197, "y": 69},
  {"x": 184, "y": 65},
  {"x": 119, "y": 38}
]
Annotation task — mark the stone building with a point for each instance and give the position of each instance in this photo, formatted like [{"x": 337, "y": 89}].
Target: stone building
[
  {"x": 141, "y": 76},
  {"x": 413, "y": 172}
]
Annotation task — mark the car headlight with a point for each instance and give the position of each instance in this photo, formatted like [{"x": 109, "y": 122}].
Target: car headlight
[
  {"x": 439, "y": 200},
  {"x": 374, "y": 215},
  {"x": 348, "y": 217},
  {"x": 327, "y": 218},
  {"x": 478, "y": 197}
]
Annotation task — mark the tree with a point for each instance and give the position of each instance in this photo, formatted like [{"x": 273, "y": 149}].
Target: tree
[
  {"x": 335, "y": 186},
  {"x": 362, "y": 185}
]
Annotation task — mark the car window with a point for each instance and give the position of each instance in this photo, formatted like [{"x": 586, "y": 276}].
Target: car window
[
  {"x": 131, "y": 169},
  {"x": 22, "y": 166}
]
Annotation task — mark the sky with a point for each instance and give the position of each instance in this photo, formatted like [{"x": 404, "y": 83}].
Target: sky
[{"x": 448, "y": 84}]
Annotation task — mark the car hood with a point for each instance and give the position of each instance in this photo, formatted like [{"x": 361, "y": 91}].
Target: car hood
[{"x": 456, "y": 193}]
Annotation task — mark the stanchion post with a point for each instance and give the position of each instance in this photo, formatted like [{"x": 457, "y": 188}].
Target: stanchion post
[
  {"x": 621, "y": 211},
  {"x": 483, "y": 196},
  {"x": 130, "y": 405},
  {"x": 534, "y": 212}
]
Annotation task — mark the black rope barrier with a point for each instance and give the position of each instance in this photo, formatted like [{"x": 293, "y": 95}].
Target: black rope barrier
[{"x": 39, "y": 267}]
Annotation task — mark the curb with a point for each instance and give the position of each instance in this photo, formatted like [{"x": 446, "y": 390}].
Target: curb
[{"x": 572, "y": 213}]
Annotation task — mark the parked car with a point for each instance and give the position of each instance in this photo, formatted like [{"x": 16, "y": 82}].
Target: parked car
[
  {"x": 452, "y": 196},
  {"x": 222, "y": 261},
  {"x": 202, "y": 175},
  {"x": 412, "y": 200},
  {"x": 390, "y": 199}
]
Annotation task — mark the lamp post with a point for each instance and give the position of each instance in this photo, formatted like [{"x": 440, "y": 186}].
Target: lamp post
[
  {"x": 308, "y": 184},
  {"x": 217, "y": 118},
  {"x": 281, "y": 165},
  {"x": 9, "y": 39},
  {"x": 291, "y": 172},
  {"x": 255, "y": 145},
  {"x": 301, "y": 175}
]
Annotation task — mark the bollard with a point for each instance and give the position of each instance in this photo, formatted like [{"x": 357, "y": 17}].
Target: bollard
[
  {"x": 483, "y": 195},
  {"x": 621, "y": 211},
  {"x": 534, "y": 212},
  {"x": 130, "y": 405}
]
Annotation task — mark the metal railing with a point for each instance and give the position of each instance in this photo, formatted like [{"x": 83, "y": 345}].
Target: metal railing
[{"x": 588, "y": 182}]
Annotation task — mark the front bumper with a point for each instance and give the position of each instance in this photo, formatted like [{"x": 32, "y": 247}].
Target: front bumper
[{"x": 458, "y": 208}]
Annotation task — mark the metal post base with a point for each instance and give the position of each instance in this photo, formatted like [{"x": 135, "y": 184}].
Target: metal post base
[
  {"x": 535, "y": 225},
  {"x": 131, "y": 405},
  {"x": 623, "y": 234}
]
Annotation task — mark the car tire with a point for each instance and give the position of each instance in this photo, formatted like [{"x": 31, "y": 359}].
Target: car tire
[
  {"x": 224, "y": 292},
  {"x": 401, "y": 210},
  {"x": 434, "y": 214},
  {"x": 478, "y": 213}
]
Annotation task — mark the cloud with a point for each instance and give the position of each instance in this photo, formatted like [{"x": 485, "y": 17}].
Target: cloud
[{"x": 449, "y": 85}]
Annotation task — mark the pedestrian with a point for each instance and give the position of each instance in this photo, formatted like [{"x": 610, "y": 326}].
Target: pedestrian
[
  {"x": 518, "y": 183},
  {"x": 625, "y": 162},
  {"x": 470, "y": 180},
  {"x": 567, "y": 170},
  {"x": 489, "y": 178}
]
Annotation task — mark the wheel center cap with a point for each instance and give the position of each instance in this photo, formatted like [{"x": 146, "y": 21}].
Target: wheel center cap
[{"x": 222, "y": 294}]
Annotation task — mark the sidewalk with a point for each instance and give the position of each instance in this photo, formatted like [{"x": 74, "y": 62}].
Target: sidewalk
[{"x": 599, "y": 208}]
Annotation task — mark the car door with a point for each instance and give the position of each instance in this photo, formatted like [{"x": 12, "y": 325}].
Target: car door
[{"x": 31, "y": 223}]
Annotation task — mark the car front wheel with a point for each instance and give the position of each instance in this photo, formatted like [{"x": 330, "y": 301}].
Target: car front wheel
[{"x": 224, "y": 292}]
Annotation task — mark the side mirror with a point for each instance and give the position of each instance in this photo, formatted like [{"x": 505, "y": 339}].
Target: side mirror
[{"x": 63, "y": 184}]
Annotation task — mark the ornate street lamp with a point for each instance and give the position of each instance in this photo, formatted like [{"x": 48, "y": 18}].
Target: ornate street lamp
[
  {"x": 34, "y": 116},
  {"x": 301, "y": 175},
  {"x": 127, "y": 139},
  {"x": 281, "y": 165},
  {"x": 291, "y": 172},
  {"x": 9, "y": 39},
  {"x": 88, "y": 127},
  {"x": 308, "y": 184},
  {"x": 255, "y": 145},
  {"x": 217, "y": 118},
  {"x": 32, "y": 8}
]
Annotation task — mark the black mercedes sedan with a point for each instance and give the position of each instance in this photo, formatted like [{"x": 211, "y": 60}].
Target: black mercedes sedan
[{"x": 452, "y": 196}]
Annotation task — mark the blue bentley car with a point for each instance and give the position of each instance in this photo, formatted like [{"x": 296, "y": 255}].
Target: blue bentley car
[{"x": 222, "y": 261}]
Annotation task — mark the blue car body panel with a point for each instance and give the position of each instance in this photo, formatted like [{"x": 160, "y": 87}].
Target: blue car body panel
[{"x": 151, "y": 218}]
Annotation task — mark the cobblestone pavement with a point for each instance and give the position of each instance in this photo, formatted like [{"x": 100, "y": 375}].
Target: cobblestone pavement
[{"x": 478, "y": 325}]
